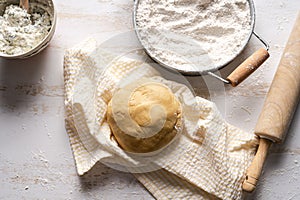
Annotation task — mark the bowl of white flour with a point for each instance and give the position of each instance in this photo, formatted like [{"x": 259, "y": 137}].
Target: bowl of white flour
[
  {"x": 194, "y": 36},
  {"x": 24, "y": 34}
]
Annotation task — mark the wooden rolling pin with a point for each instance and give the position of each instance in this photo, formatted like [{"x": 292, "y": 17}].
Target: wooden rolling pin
[{"x": 279, "y": 106}]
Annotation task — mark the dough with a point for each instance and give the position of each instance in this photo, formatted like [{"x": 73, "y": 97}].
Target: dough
[{"x": 144, "y": 116}]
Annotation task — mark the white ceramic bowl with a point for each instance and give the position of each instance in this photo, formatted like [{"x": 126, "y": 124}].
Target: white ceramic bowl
[{"x": 46, "y": 5}]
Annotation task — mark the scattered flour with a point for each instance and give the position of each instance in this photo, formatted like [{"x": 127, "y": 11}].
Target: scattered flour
[
  {"x": 21, "y": 31},
  {"x": 194, "y": 35}
]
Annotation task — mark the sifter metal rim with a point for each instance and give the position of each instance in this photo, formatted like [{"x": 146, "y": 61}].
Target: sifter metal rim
[{"x": 196, "y": 73}]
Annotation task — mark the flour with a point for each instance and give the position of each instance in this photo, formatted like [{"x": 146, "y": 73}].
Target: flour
[
  {"x": 193, "y": 35},
  {"x": 21, "y": 31}
]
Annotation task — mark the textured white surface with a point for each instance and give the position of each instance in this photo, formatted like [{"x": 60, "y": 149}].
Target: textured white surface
[{"x": 35, "y": 157}]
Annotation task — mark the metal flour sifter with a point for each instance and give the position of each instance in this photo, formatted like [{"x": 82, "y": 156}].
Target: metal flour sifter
[{"x": 241, "y": 72}]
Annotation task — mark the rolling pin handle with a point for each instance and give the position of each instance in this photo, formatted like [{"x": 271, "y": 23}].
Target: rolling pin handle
[
  {"x": 254, "y": 171},
  {"x": 249, "y": 184}
]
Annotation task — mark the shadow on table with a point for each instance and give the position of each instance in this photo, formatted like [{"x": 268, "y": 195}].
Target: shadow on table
[
  {"x": 20, "y": 79},
  {"x": 101, "y": 176}
]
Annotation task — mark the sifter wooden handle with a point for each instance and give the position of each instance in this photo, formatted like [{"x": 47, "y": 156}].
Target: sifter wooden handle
[
  {"x": 248, "y": 66},
  {"x": 279, "y": 106}
]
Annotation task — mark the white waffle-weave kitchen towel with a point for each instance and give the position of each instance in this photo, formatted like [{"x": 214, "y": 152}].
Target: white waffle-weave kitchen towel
[{"x": 209, "y": 162}]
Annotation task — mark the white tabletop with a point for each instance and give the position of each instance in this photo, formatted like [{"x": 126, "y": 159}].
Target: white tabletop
[{"x": 36, "y": 161}]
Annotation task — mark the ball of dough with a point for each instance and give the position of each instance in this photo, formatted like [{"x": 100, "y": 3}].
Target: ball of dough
[{"x": 144, "y": 117}]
